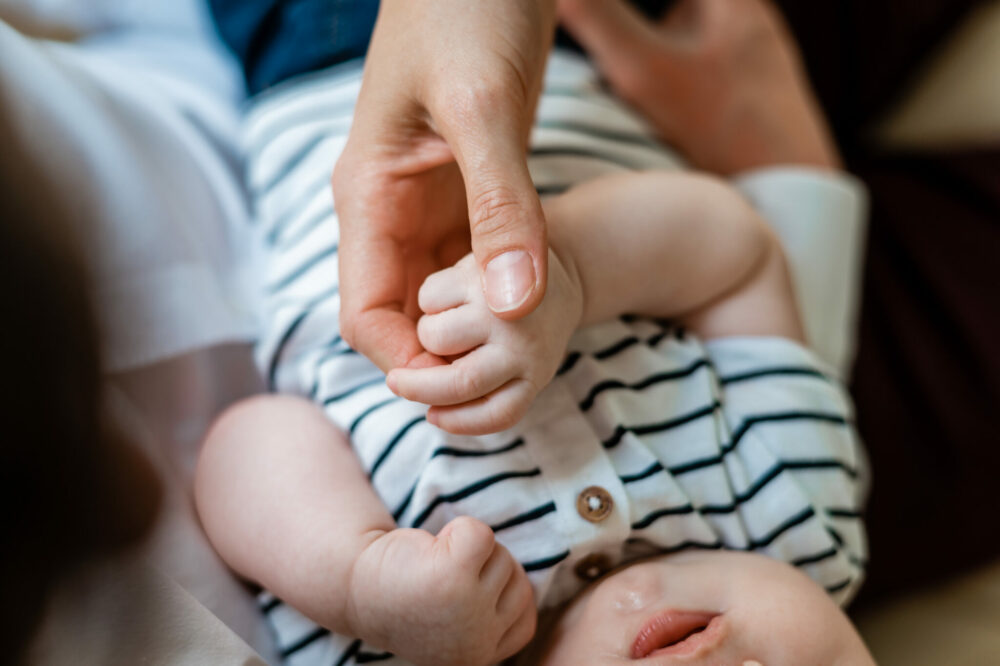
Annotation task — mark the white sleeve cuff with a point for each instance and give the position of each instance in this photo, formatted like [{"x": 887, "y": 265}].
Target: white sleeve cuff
[{"x": 820, "y": 217}]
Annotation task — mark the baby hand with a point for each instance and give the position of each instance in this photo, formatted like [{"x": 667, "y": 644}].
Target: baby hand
[
  {"x": 497, "y": 367},
  {"x": 455, "y": 599}
]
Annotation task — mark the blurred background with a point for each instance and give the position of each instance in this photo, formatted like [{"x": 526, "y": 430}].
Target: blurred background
[{"x": 912, "y": 90}]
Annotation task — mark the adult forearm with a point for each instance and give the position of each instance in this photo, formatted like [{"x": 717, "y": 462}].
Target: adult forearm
[{"x": 722, "y": 81}]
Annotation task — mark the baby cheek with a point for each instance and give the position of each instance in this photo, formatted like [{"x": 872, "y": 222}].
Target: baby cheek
[
  {"x": 634, "y": 599},
  {"x": 630, "y": 601}
]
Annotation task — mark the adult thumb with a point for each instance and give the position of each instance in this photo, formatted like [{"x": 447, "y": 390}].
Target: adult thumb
[{"x": 505, "y": 216}]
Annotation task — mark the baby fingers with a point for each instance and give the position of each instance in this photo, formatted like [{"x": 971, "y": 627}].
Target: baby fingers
[
  {"x": 454, "y": 331},
  {"x": 499, "y": 410},
  {"x": 443, "y": 290},
  {"x": 473, "y": 376}
]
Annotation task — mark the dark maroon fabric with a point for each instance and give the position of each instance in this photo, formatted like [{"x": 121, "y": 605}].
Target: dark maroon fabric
[
  {"x": 862, "y": 54},
  {"x": 927, "y": 381}
]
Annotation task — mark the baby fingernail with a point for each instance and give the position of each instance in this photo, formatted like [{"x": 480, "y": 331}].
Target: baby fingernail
[{"x": 509, "y": 278}]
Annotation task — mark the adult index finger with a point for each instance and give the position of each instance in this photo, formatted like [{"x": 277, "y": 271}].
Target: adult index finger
[{"x": 374, "y": 292}]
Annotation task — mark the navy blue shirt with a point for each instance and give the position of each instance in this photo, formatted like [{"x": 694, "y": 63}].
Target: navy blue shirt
[{"x": 277, "y": 39}]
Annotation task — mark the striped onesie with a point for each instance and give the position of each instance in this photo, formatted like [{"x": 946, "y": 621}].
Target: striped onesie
[{"x": 648, "y": 441}]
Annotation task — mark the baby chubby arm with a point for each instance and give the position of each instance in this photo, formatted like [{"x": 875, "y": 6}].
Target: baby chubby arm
[
  {"x": 656, "y": 244},
  {"x": 286, "y": 504}
]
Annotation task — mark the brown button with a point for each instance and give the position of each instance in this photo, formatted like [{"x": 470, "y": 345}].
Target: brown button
[
  {"x": 594, "y": 504},
  {"x": 593, "y": 566}
]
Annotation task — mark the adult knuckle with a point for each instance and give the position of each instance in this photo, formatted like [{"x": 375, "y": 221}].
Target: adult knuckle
[
  {"x": 357, "y": 179},
  {"x": 494, "y": 211},
  {"x": 478, "y": 98}
]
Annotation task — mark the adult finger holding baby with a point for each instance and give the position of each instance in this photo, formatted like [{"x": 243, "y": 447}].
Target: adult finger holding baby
[
  {"x": 723, "y": 81},
  {"x": 439, "y": 140},
  {"x": 438, "y": 146}
]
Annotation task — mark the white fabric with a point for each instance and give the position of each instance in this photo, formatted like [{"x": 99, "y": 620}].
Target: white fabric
[
  {"x": 91, "y": 16},
  {"x": 168, "y": 407},
  {"x": 124, "y": 612},
  {"x": 137, "y": 122},
  {"x": 140, "y": 130},
  {"x": 820, "y": 218},
  {"x": 739, "y": 443}
]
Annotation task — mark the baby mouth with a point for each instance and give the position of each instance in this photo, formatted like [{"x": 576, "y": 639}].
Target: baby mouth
[{"x": 678, "y": 632}]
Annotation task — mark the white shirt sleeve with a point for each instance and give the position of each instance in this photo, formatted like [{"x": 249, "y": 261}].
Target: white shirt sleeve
[
  {"x": 820, "y": 217},
  {"x": 150, "y": 162}
]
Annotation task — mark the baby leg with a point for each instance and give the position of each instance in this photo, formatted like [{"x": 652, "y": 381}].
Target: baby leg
[{"x": 286, "y": 504}]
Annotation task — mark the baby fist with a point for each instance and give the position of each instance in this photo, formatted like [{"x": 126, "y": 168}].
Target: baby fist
[
  {"x": 455, "y": 599},
  {"x": 496, "y": 367}
]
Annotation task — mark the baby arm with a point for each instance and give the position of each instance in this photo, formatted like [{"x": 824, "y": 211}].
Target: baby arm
[
  {"x": 675, "y": 245},
  {"x": 286, "y": 504},
  {"x": 682, "y": 246}
]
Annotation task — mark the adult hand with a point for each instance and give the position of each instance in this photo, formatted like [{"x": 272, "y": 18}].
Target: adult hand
[
  {"x": 438, "y": 146},
  {"x": 720, "y": 79}
]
